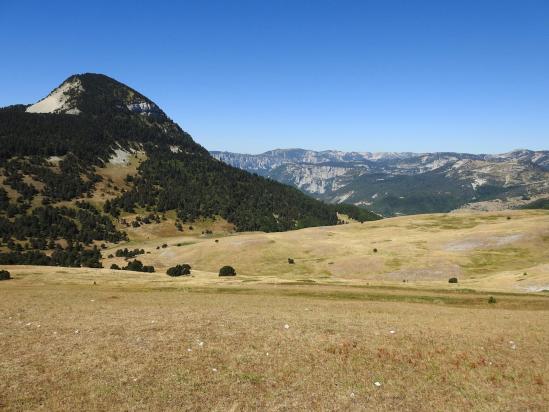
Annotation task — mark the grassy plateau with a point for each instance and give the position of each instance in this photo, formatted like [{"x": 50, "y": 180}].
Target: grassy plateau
[{"x": 344, "y": 328}]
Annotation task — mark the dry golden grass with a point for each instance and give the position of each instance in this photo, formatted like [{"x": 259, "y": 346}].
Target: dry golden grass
[
  {"x": 152, "y": 235},
  {"x": 133, "y": 342},
  {"x": 485, "y": 251}
]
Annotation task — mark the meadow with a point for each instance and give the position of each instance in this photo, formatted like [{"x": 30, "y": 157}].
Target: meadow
[{"x": 314, "y": 335}]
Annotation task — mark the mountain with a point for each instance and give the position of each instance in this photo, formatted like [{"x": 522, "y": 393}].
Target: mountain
[
  {"x": 94, "y": 150},
  {"x": 406, "y": 183}
]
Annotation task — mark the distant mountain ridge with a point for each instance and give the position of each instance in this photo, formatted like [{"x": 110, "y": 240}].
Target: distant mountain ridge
[{"x": 404, "y": 183}]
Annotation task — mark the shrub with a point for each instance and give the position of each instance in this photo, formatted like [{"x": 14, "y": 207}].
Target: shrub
[
  {"x": 114, "y": 266},
  {"x": 129, "y": 253},
  {"x": 179, "y": 270},
  {"x": 491, "y": 300},
  {"x": 137, "y": 266},
  {"x": 375, "y": 250},
  {"x": 290, "y": 261},
  {"x": 227, "y": 271},
  {"x": 453, "y": 280},
  {"x": 4, "y": 275}
]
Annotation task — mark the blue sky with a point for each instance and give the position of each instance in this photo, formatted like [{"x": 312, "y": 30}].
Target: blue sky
[{"x": 249, "y": 76}]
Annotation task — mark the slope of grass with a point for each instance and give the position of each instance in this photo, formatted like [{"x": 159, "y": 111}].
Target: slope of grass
[{"x": 418, "y": 249}]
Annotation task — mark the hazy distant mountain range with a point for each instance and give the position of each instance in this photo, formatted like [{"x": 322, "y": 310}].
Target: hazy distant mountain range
[{"x": 394, "y": 183}]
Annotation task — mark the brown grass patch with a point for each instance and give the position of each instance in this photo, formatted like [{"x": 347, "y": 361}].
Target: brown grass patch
[{"x": 120, "y": 347}]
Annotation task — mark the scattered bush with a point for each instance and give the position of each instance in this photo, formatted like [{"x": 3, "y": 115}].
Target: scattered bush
[
  {"x": 179, "y": 270},
  {"x": 4, "y": 275},
  {"x": 290, "y": 261},
  {"x": 114, "y": 266},
  {"x": 453, "y": 280},
  {"x": 137, "y": 266},
  {"x": 129, "y": 253},
  {"x": 491, "y": 300},
  {"x": 227, "y": 271},
  {"x": 375, "y": 250}
]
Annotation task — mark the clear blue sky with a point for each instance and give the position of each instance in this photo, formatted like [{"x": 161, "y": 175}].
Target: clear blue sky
[{"x": 250, "y": 76}]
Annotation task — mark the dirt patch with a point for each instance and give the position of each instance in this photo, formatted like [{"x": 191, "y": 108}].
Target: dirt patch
[{"x": 486, "y": 243}]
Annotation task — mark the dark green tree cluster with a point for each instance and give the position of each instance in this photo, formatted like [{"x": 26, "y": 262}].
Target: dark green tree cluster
[
  {"x": 542, "y": 203},
  {"x": 137, "y": 266},
  {"x": 129, "y": 253},
  {"x": 72, "y": 256},
  {"x": 227, "y": 271},
  {"x": 355, "y": 212},
  {"x": 53, "y": 223},
  {"x": 5, "y": 275},
  {"x": 179, "y": 270}
]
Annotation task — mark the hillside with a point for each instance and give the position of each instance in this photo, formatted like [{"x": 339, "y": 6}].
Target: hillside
[
  {"x": 406, "y": 183},
  {"x": 489, "y": 251},
  {"x": 74, "y": 164}
]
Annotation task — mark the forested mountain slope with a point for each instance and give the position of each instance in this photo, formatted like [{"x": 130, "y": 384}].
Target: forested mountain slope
[{"x": 54, "y": 195}]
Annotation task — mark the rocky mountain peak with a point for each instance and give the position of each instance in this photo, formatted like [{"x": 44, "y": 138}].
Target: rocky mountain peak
[{"x": 95, "y": 94}]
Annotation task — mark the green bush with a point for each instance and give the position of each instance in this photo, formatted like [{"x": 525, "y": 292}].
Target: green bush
[
  {"x": 291, "y": 261},
  {"x": 491, "y": 300},
  {"x": 179, "y": 270},
  {"x": 453, "y": 280},
  {"x": 227, "y": 271},
  {"x": 114, "y": 266},
  {"x": 4, "y": 275}
]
